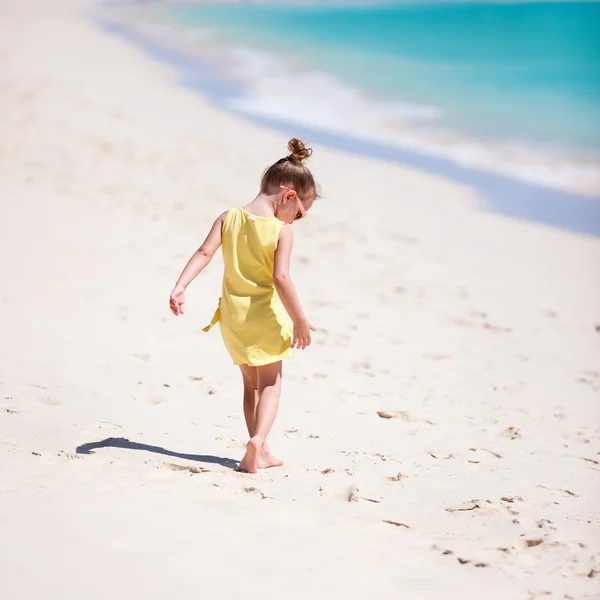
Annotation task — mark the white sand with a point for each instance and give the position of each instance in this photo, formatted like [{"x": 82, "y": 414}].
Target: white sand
[{"x": 468, "y": 323}]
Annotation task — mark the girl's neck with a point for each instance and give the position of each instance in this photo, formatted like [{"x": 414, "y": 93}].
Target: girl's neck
[{"x": 262, "y": 206}]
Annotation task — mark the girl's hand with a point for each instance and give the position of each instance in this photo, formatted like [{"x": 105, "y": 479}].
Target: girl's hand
[
  {"x": 177, "y": 301},
  {"x": 302, "y": 337}
]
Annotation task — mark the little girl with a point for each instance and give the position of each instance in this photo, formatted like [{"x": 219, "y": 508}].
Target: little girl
[{"x": 257, "y": 291}]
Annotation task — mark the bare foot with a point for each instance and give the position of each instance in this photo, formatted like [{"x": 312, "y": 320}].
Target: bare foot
[
  {"x": 249, "y": 463},
  {"x": 267, "y": 460}
]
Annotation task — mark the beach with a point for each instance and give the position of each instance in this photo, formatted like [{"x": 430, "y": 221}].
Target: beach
[{"x": 441, "y": 436}]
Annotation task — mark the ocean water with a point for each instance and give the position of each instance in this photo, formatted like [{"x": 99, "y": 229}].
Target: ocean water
[{"x": 508, "y": 88}]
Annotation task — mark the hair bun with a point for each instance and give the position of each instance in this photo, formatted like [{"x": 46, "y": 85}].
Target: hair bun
[{"x": 298, "y": 151}]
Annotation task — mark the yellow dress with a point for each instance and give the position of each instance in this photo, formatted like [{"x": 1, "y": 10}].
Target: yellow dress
[{"x": 253, "y": 321}]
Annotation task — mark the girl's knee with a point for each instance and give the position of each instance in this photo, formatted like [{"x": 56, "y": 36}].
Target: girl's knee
[
  {"x": 269, "y": 375},
  {"x": 250, "y": 388}
]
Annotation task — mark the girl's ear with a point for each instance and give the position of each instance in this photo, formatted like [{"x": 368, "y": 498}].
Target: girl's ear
[{"x": 288, "y": 194}]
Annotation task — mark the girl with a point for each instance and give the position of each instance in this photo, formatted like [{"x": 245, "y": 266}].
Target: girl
[{"x": 257, "y": 291}]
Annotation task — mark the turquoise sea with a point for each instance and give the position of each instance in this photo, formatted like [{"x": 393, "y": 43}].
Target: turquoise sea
[{"x": 508, "y": 88}]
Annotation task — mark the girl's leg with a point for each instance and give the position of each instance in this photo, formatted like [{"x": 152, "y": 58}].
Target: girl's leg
[
  {"x": 250, "y": 377},
  {"x": 269, "y": 390}
]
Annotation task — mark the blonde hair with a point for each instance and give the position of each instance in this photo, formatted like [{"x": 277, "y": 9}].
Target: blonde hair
[{"x": 289, "y": 171}]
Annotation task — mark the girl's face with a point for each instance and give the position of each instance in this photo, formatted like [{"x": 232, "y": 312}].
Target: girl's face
[{"x": 291, "y": 207}]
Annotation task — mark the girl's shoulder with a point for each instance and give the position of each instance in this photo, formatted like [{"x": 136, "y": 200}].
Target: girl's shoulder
[{"x": 286, "y": 233}]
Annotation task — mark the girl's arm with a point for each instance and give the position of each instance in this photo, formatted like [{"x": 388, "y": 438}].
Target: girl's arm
[
  {"x": 195, "y": 265},
  {"x": 287, "y": 291}
]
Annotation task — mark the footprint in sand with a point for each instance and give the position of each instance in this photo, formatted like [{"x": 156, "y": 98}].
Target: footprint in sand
[
  {"x": 497, "y": 328},
  {"x": 578, "y": 436},
  {"x": 152, "y": 401},
  {"x": 69, "y": 456},
  {"x": 464, "y": 322},
  {"x": 405, "y": 239},
  {"x": 253, "y": 490},
  {"x": 49, "y": 400},
  {"x": 511, "y": 499},
  {"x": 363, "y": 368},
  {"x": 512, "y": 433},
  {"x": 474, "y": 325},
  {"x": 352, "y": 494},
  {"x": 478, "y": 314},
  {"x": 546, "y": 524},
  {"x": 395, "y": 478},
  {"x": 368, "y": 455},
  {"x": 591, "y": 461},
  {"x": 109, "y": 423},
  {"x": 484, "y": 508},
  {"x": 487, "y": 455},
  {"x": 442, "y": 455},
  {"x": 37, "y": 386},
  {"x": 591, "y": 378},
  {"x": 438, "y": 356},
  {"x": 326, "y": 304},
  {"x": 191, "y": 469},
  {"x": 403, "y": 416},
  {"x": 464, "y": 507},
  {"x": 461, "y": 560},
  {"x": 334, "y": 247},
  {"x": 396, "y": 523},
  {"x": 564, "y": 491}
]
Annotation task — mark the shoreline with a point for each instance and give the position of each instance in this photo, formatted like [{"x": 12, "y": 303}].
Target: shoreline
[{"x": 500, "y": 193}]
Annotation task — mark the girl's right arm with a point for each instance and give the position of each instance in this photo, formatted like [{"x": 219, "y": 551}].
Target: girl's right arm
[
  {"x": 195, "y": 265},
  {"x": 287, "y": 291}
]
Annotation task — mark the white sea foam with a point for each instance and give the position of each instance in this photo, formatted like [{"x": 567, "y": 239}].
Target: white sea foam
[
  {"x": 318, "y": 100},
  {"x": 275, "y": 89}
]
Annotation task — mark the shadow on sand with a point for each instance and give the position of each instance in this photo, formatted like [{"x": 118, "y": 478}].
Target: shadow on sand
[{"x": 128, "y": 445}]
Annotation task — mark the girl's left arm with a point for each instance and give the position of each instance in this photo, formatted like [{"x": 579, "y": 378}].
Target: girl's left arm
[{"x": 195, "y": 265}]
